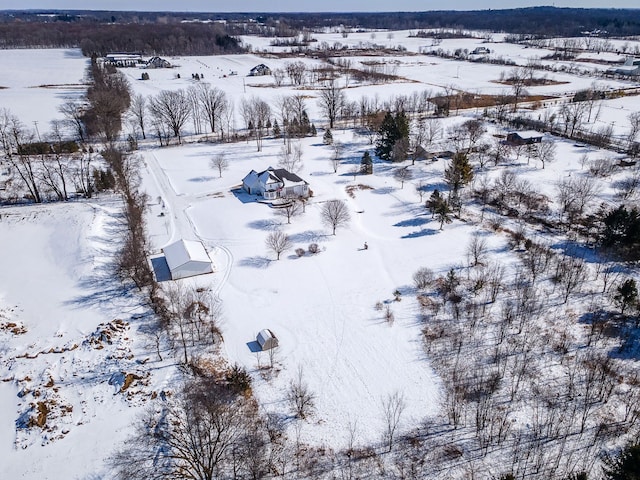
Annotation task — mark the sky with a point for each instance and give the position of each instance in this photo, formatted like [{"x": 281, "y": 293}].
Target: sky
[{"x": 299, "y": 6}]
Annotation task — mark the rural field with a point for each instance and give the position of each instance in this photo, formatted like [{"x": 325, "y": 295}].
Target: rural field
[{"x": 487, "y": 337}]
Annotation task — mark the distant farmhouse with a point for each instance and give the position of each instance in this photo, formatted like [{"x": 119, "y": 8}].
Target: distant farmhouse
[
  {"x": 157, "y": 62},
  {"x": 527, "y": 137},
  {"x": 481, "y": 51},
  {"x": 259, "y": 70},
  {"x": 123, "y": 59},
  {"x": 274, "y": 183},
  {"x": 631, "y": 67}
]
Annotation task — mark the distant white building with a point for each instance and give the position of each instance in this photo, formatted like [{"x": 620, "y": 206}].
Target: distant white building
[
  {"x": 187, "y": 258},
  {"x": 630, "y": 67},
  {"x": 274, "y": 183}
]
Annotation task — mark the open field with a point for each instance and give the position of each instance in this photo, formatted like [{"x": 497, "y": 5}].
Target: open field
[{"x": 71, "y": 333}]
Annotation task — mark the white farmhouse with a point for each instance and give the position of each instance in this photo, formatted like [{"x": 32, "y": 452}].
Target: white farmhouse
[
  {"x": 187, "y": 258},
  {"x": 274, "y": 183}
]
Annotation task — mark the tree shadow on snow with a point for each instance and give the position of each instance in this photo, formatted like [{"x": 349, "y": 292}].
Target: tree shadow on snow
[
  {"x": 263, "y": 224},
  {"x": 413, "y": 222},
  {"x": 421, "y": 233},
  {"x": 201, "y": 179},
  {"x": 255, "y": 262}
]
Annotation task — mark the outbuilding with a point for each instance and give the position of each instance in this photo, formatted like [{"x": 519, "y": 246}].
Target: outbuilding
[
  {"x": 527, "y": 137},
  {"x": 187, "y": 258},
  {"x": 266, "y": 339}
]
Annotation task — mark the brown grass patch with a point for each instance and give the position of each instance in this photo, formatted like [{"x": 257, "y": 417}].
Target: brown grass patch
[
  {"x": 532, "y": 82},
  {"x": 352, "y": 188},
  {"x": 128, "y": 380},
  {"x": 13, "y": 328}
]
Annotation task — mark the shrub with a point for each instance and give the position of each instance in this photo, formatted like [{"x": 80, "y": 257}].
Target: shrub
[
  {"x": 238, "y": 380},
  {"x": 300, "y": 252},
  {"x": 422, "y": 278},
  {"x": 313, "y": 248}
]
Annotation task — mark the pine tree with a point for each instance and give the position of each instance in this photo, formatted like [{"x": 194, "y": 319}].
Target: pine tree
[
  {"x": 459, "y": 172},
  {"x": 327, "y": 138},
  {"x": 366, "y": 164},
  {"x": 434, "y": 200},
  {"x": 314, "y": 132},
  {"x": 392, "y": 130},
  {"x": 276, "y": 129},
  {"x": 626, "y": 466}
]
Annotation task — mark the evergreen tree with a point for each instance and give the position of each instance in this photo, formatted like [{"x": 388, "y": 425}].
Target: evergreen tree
[
  {"x": 327, "y": 138},
  {"x": 314, "y": 132},
  {"x": 626, "y": 294},
  {"x": 434, "y": 200},
  {"x": 366, "y": 164},
  {"x": 626, "y": 466},
  {"x": 459, "y": 172},
  {"x": 276, "y": 129},
  {"x": 392, "y": 130}
]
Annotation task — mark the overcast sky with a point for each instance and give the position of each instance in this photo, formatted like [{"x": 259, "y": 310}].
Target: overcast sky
[{"x": 303, "y": 5}]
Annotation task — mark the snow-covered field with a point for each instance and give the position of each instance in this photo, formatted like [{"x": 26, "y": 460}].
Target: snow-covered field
[{"x": 70, "y": 333}]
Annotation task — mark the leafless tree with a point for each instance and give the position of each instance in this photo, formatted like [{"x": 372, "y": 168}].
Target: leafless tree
[
  {"x": 289, "y": 209},
  {"x": 297, "y": 72},
  {"x": 172, "y": 108},
  {"x": 422, "y": 278},
  {"x": 256, "y": 113},
  {"x": 331, "y": 100},
  {"x": 73, "y": 112},
  {"x": 202, "y": 433},
  {"x": 476, "y": 250},
  {"x": 393, "y": 407},
  {"x": 517, "y": 78},
  {"x": 334, "y": 214},
  {"x": 336, "y": 156},
  {"x": 220, "y": 163},
  {"x": 574, "y": 195},
  {"x": 195, "y": 108},
  {"x": 499, "y": 151},
  {"x": 545, "y": 152},
  {"x": 14, "y": 137},
  {"x": 634, "y": 128},
  {"x": 291, "y": 159},
  {"x": 300, "y": 398},
  {"x": 572, "y": 114},
  {"x": 138, "y": 111},
  {"x": 278, "y": 242},
  {"x": 402, "y": 174},
  {"x": 214, "y": 103}
]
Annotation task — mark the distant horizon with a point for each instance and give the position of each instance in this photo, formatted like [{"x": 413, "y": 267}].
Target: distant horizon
[{"x": 290, "y": 6}]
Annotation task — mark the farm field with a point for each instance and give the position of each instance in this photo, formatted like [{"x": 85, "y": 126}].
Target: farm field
[{"x": 76, "y": 344}]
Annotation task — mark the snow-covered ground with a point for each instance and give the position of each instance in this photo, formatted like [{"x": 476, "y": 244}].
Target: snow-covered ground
[{"x": 69, "y": 333}]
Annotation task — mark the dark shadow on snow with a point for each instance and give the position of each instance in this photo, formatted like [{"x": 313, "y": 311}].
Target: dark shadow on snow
[{"x": 255, "y": 262}]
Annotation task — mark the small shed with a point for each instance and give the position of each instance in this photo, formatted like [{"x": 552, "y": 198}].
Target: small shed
[
  {"x": 266, "y": 339},
  {"x": 187, "y": 258}
]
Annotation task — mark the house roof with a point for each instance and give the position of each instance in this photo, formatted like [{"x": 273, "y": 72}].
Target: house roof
[
  {"x": 526, "y": 134},
  {"x": 184, "y": 251},
  {"x": 272, "y": 175}
]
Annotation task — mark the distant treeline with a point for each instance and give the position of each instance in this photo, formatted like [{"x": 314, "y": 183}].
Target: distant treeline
[
  {"x": 174, "y": 33},
  {"x": 544, "y": 21},
  {"x": 101, "y": 38}
]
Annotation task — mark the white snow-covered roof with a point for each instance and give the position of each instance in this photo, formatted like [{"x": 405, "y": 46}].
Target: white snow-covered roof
[
  {"x": 184, "y": 251},
  {"x": 526, "y": 134}
]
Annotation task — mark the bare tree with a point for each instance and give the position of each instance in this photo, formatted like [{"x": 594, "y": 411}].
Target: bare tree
[
  {"x": 278, "y": 242},
  {"x": 336, "y": 156},
  {"x": 476, "y": 250},
  {"x": 331, "y": 100},
  {"x": 213, "y": 101},
  {"x": 14, "y": 137},
  {"x": 300, "y": 397},
  {"x": 291, "y": 159},
  {"x": 172, "y": 108},
  {"x": 138, "y": 111},
  {"x": 545, "y": 152},
  {"x": 220, "y": 163},
  {"x": 575, "y": 194},
  {"x": 402, "y": 174},
  {"x": 289, "y": 209},
  {"x": 517, "y": 78},
  {"x": 634, "y": 128},
  {"x": 73, "y": 112},
  {"x": 198, "y": 435},
  {"x": 393, "y": 407},
  {"x": 335, "y": 213}
]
